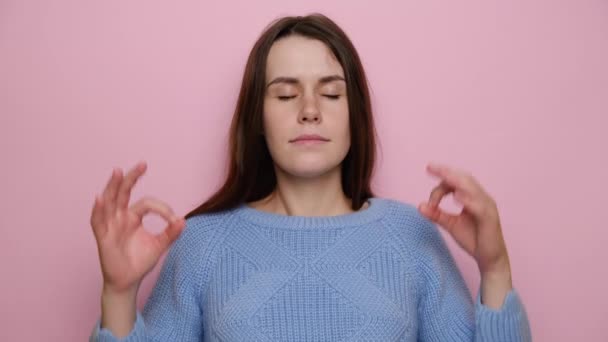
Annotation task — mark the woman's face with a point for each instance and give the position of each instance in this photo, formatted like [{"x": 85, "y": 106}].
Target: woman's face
[{"x": 305, "y": 95}]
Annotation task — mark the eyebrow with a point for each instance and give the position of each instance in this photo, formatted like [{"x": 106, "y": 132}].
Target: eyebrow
[{"x": 292, "y": 80}]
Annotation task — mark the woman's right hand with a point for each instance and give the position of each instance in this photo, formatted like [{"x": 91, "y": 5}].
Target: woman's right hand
[{"x": 127, "y": 252}]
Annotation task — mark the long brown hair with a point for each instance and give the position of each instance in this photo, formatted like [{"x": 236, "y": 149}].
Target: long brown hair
[{"x": 251, "y": 173}]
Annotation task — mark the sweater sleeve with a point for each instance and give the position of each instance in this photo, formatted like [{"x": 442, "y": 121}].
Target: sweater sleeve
[
  {"x": 447, "y": 311},
  {"x": 172, "y": 311},
  {"x": 508, "y": 323}
]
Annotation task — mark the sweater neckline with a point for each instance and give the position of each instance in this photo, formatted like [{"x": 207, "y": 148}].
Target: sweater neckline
[{"x": 374, "y": 211}]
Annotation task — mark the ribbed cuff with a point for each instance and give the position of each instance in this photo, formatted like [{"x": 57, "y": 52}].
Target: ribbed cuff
[
  {"x": 508, "y": 323},
  {"x": 137, "y": 334}
]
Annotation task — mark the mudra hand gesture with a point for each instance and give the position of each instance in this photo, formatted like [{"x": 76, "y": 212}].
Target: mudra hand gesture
[
  {"x": 127, "y": 251},
  {"x": 476, "y": 229}
]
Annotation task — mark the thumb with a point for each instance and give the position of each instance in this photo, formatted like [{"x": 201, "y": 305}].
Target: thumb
[
  {"x": 435, "y": 214},
  {"x": 171, "y": 233}
]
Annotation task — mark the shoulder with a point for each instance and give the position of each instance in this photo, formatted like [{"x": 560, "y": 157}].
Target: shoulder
[
  {"x": 192, "y": 253},
  {"x": 405, "y": 218},
  {"x": 399, "y": 209},
  {"x": 201, "y": 233},
  {"x": 420, "y": 238},
  {"x": 408, "y": 224},
  {"x": 204, "y": 224}
]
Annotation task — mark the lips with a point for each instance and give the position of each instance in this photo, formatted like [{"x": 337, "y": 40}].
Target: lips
[{"x": 309, "y": 137}]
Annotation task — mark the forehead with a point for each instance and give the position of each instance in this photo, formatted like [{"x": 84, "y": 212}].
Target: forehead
[{"x": 301, "y": 57}]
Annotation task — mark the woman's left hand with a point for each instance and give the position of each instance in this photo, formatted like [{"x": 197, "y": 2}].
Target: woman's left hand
[{"x": 477, "y": 228}]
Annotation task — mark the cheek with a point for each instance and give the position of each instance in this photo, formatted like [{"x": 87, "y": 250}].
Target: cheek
[
  {"x": 345, "y": 125},
  {"x": 275, "y": 126}
]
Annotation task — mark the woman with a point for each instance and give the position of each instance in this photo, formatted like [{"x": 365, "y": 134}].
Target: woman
[{"x": 295, "y": 246}]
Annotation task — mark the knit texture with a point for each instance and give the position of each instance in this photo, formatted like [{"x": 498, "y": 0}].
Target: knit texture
[{"x": 383, "y": 273}]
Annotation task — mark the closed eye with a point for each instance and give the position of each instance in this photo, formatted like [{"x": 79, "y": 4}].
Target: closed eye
[{"x": 285, "y": 98}]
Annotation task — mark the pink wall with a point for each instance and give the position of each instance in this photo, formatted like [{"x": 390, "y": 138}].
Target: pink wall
[{"x": 514, "y": 91}]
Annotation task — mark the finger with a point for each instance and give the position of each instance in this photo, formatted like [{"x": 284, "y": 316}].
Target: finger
[
  {"x": 438, "y": 193},
  {"x": 447, "y": 221},
  {"x": 464, "y": 236},
  {"x": 97, "y": 216},
  {"x": 455, "y": 178},
  {"x": 124, "y": 192},
  {"x": 109, "y": 194},
  {"x": 473, "y": 205},
  {"x": 148, "y": 204},
  {"x": 170, "y": 234}
]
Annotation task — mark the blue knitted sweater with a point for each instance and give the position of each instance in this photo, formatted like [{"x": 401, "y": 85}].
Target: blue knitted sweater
[{"x": 383, "y": 273}]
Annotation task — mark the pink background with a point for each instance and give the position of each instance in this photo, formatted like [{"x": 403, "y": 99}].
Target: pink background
[{"x": 515, "y": 92}]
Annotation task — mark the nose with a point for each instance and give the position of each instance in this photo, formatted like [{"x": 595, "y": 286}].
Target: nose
[{"x": 310, "y": 110}]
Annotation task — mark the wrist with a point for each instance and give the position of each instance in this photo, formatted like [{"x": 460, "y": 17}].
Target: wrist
[
  {"x": 497, "y": 279},
  {"x": 494, "y": 288},
  {"x": 118, "y": 310},
  {"x": 110, "y": 290},
  {"x": 499, "y": 267}
]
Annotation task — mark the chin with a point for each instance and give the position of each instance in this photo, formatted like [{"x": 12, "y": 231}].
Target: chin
[{"x": 310, "y": 169}]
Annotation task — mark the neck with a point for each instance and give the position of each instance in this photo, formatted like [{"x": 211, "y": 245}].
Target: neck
[{"x": 299, "y": 196}]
